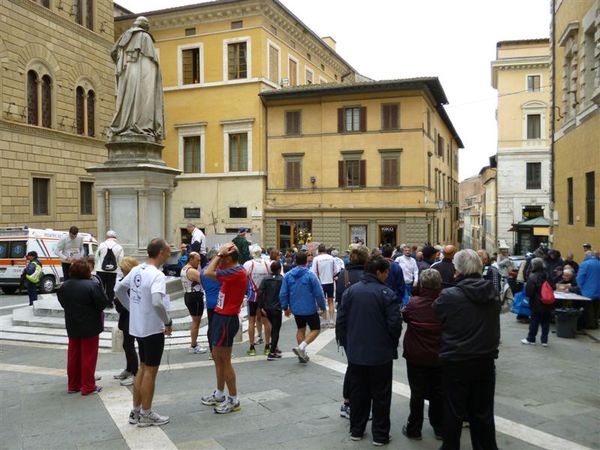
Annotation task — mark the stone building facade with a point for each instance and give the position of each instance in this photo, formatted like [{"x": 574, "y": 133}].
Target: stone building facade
[{"x": 56, "y": 99}]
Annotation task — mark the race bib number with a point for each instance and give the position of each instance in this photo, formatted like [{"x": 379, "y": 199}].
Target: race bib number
[
  {"x": 73, "y": 253},
  {"x": 221, "y": 300}
]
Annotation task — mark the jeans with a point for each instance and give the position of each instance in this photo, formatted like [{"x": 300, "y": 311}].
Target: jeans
[
  {"x": 537, "y": 319},
  {"x": 425, "y": 383},
  {"x": 32, "y": 291},
  {"x": 469, "y": 392},
  {"x": 82, "y": 355},
  {"x": 407, "y": 292},
  {"x": 371, "y": 389},
  {"x": 130, "y": 354},
  {"x": 275, "y": 319}
]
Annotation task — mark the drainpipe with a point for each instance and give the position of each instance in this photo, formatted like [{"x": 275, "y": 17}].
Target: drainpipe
[{"x": 552, "y": 114}]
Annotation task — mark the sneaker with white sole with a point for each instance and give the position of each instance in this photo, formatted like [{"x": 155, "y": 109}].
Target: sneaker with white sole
[
  {"x": 345, "y": 411},
  {"x": 526, "y": 342},
  {"x": 134, "y": 417},
  {"x": 228, "y": 406},
  {"x": 152, "y": 419},
  {"x": 259, "y": 340},
  {"x": 544, "y": 344},
  {"x": 301, "y": 354},
  {"x": 124, "y": 374},
  {"x": 212, "y": 399},
  {"x": 197, "y": 350},
  {"x": 128, "y": 381}
]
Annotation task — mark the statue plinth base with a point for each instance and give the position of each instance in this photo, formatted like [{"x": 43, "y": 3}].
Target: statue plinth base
[{"x": 133, "y": 193}]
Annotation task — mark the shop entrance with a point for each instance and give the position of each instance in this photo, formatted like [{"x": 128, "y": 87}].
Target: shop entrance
[{"x": 388, "y": 234}]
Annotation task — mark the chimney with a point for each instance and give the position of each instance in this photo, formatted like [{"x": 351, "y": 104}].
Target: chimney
[{"x": 329, "y": 41}]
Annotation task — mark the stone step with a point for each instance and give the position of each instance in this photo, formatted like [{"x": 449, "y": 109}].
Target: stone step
[{"x": 26, "y": 317}]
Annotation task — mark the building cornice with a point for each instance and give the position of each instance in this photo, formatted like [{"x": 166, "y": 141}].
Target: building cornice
[{"x": 49, "y": 133}]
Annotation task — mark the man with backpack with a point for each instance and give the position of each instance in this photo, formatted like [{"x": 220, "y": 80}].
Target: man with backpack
[{"x": 108, "y": 257}]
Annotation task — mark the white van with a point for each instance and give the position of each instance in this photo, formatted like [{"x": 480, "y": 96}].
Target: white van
[{"x": 15, "y": 243}]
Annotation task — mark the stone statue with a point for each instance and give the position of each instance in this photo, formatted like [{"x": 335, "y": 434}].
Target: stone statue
[{"x": 140, "y": 108}]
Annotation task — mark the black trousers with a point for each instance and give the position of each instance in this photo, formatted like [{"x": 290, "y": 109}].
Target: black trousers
[
  {"x": 65, "y": 269},
  {"x": 210, "y": 313},
  {"x": 371, "y": 388},
  {"x": 130, "y": 354},
  {"x": 275, "y": 319},
  {"x": 469, "y": 392},
  {"x": 109, "y": 279},
  {"x": 425, "y": 383}
]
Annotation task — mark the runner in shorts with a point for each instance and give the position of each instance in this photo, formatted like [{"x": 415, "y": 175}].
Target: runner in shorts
[
  {"x": 143, "y": 293},
  {"x": 300, "y": 294},
  {"x": 193, "y": 297},
  {"x": 225, "y": 324}
]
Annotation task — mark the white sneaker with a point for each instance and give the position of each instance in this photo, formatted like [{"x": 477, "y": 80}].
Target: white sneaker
[
  {"x": 212, "y": 399},
  {"x": 152, "y": 419},
  {"x": 544, "y": 344},
  {"x": 526, "y": 342},
  {"x": 228, "y": 406},
  {"x": 128, "y": 381},
  {"x": 134, "y": 417},
  {"x": 301, "y": 354},
  {"x": 197, "y": 350}
]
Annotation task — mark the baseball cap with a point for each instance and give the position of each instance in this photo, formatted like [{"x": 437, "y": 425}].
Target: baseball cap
[
  {"x": 243, "y": 230},
  {"x": 111, "y": 234}
]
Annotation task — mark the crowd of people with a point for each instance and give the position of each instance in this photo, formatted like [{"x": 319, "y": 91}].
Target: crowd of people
[{"x": 449, "y": 301}]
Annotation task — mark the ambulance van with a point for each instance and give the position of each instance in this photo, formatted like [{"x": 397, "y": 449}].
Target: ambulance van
[{"x": 15, "y": 243}]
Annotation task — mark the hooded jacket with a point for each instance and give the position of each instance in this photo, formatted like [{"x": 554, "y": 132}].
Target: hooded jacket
[
  {"x": 424, "y": 330},
  {"x": 368, "y": 325},
  {"x": 268, "y": 293},
  {"x": 470, "y": 317},
  {"x": 588, "y": 277},
  {"x": 302, "y": 292}
]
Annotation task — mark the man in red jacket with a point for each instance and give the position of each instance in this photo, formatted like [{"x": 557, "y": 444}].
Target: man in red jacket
[{"x": 421, "y": 351}]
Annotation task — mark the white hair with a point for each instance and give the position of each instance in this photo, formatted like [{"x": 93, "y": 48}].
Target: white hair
[
  {"x": 430, "y": 278},
  {"x": 467, "y": 262},
  {"x": 255, "y": 250}
]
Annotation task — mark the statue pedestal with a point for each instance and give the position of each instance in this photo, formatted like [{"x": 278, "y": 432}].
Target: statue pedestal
[{"x": 134, "y": 187}]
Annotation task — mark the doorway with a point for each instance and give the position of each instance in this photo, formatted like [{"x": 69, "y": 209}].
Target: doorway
[{"x": 388, "y": 234}]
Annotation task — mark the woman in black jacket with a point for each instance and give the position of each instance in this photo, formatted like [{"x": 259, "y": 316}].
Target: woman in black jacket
[
  {"x": 83, "y": 301},
  {"x": 268, "y": 302},
  {"x": 540, "y": 312}
]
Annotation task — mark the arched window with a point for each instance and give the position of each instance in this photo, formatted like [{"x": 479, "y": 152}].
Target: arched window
[
  {"x": 32, "y": 98},
  {"x": 79, "y": 109},
  {"x": 91, "y": 105},
  {"x": 46, "y": 101}
]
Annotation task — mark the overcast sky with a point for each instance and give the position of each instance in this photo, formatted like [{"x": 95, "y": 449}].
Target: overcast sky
[{"x": 453, "y": 40}]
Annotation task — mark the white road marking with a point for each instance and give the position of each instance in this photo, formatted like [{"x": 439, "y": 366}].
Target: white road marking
[{"x": 34, "y": 370}]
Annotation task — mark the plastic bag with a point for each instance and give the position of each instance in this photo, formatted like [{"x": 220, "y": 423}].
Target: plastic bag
[{"x": 520, "y": 304}]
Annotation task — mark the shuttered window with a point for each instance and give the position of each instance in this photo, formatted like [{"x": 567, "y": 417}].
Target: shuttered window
[
  {"x": 273, "y": 64},
  {"x": 236, "y": 61},
  {"x": 293, "y": 72},
  {"x": 238, "y": 152},
  {"x": 534, "y": 175},
  {"x": 570, "y": 200},
  {"x": 293, "y": 173},
  {"x": 32, "y": 98},
  {"x": 91, "y": 114},
  {"x": 590, "y": 199},
  {"x": 192, "y": 159},
  {"x": 352, "y": 173},
  {"x": 534, "y": 126},
  {"x": 190, "y": 61},
  {"x": 352, "y": 119},
  {"x": 390, "y": 171},
  {"x": 292, "y": 123},
  {"x": 46, "y": 101},
  {"x": 390, "y": 116},
  {"x": 440, "y": 145},
  {"x": 79, "y": 110}
]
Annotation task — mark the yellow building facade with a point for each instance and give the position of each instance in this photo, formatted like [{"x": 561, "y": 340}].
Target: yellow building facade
[
  {"x": 56, "y": 99},
  {"x": 576, "y": 52},
  {"x": 216, "y": 58},
  {"x": 369, "y": 161}
]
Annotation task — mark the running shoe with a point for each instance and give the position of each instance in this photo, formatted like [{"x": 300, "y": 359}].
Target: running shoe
[
  {"x": 279, "y": 352},
  {"x": 382, "y": 443},
  {"x": 125, "y": 374},
  {"x": 152, "y": 419},
  {"x": 251, "y": 351},
  {"x": 134, "y": 417},
  {"x": 273, "y": 357},
  {"x": 345, "y": 411},
  {"x": 212, "y": 399},
  {"x": 197, "y": 350},
  {"x": 95, "y": 391},
  {"x": 228, "y": 406},
  {"x": 526, "y": 342},
  {"x": 356, "y": 437},
  {"x": 127, "y": 381},
  {"x": 267, "y": 350},
  {"x": 544, "y": 344},
  {"x": 301, "y": 354},
  {"x": 259, "y": 340}
]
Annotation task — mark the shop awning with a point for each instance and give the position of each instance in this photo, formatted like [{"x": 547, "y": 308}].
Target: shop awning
[{"x": 531, "y": 223}]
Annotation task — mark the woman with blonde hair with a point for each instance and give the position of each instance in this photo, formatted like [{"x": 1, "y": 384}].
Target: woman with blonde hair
[{"x": 128, "y": 374}]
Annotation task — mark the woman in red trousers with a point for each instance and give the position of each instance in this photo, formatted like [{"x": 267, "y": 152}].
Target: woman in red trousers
[{"x": 83, "y": 301}]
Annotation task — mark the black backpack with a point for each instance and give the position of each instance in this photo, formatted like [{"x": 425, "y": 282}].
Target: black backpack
[{"x": 109, "y": 263}]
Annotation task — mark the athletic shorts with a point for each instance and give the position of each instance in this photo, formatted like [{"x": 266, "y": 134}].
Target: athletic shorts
[
  {"x": 151, "y": 349},
  {"x": 328, "y": 290},
  {"x": 252, "y": 308},
  {"x": 223, "y": 330},
  {"x": 313, "y": 321},
  {"x": 194, "y": 302}
]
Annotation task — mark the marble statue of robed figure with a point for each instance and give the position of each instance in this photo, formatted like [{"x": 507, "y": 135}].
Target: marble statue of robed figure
[{"x": 140, "y": 108}]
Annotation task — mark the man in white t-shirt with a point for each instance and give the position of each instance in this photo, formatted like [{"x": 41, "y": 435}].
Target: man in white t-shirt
[
  {"x": 108, "y": 259},
  {"x": 197, "y": 242},
  {"x": 325, "y": 268},
  {"x": 69, "y": 248},
  {"x": 257, "y": 269},
  {"x": 410, "y": 271},
  {"x": 149, "y": 322}
]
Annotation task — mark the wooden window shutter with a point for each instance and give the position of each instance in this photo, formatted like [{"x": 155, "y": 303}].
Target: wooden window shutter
[
  {"x": 395, "y": 122},
  {"x": 289, "y": 173},
  {"x": 363, "y": 173},
  {"x": 341, "y": 182},
  {"x": 340, "y": 120},
  {"x": 363, "y": 118},
  {"x": 394, "y": 172}
]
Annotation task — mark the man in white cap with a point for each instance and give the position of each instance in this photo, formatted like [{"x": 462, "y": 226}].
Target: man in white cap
[{"x": 108, "y": 258}]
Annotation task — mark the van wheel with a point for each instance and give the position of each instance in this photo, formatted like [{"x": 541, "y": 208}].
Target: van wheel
[
  {"x": 47, "y": 285},
  {"x": 9, "y": 290}
]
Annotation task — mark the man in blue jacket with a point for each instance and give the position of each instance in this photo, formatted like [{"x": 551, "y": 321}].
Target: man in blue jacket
[
  {"x": 588, "y": 280},
  {"x": 395, "y": 279},
  {"x": 369, "y": 327},
  {"x": 300, "y": 294}
]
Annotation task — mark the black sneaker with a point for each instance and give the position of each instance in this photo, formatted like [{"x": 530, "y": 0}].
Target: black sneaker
[{"x": 416, "y": 437}]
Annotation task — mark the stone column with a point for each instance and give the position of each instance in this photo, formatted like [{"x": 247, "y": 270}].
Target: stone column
[
  {"x": 169, "y": 217},
  {"x": 101, "y": 213}
]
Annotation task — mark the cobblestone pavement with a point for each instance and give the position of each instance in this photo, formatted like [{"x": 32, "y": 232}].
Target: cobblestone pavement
[{"x": 545, "y": 398}]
